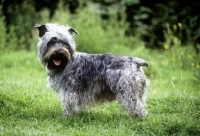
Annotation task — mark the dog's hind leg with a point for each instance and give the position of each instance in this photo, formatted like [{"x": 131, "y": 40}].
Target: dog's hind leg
[
  {"x": 132, "y": 103},
  {"x": 131, "y": 96}
]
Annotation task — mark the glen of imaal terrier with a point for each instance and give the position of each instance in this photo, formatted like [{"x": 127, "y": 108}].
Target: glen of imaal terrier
[{"x": 82, "y": 79}]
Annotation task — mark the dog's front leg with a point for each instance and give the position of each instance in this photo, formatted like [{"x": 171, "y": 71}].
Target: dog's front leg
[{"x": 70, "y": 103}]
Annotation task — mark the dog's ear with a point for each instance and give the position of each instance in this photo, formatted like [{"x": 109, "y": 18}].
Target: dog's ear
[
  {"x": 72, "y": 30},
  {"x": 41, "y": 28}
]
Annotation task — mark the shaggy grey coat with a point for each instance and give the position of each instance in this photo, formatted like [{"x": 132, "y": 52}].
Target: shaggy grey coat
[{"x": 81, "y": 79}]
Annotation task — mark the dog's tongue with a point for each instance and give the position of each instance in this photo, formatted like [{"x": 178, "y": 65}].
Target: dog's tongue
[{"x": 57, "y": 62}]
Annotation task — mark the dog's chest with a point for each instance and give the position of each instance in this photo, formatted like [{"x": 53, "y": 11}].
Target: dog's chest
[{"x": 54, "y": 83}]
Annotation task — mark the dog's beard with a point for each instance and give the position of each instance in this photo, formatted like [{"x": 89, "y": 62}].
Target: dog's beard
[{"x": 57, "y": 58}]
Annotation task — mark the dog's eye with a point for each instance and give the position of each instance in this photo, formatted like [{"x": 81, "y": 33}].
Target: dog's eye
[
  {"x": 50, "y": 43},
  {"x": 53, "y": 41},
  {"x": 67, "y": 47}
]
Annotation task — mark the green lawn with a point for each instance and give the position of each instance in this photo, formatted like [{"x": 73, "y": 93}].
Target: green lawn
[{"x": 28, "y": 107}]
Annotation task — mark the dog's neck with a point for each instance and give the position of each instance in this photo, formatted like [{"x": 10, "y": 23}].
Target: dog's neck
[{"x": 52, "y": 73}]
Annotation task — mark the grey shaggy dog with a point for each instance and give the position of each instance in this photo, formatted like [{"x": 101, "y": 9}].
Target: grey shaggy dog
[{"x": 82, "y": 79}]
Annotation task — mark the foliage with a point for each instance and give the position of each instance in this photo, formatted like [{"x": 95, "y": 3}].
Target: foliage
[
  {"x": 150, "y": 19},
  {"x": 2, "y": 30},
  {"x": 147, "y": 19},
  {"x": 18, "y": 27},
  {"x": 196, "y": 69}
]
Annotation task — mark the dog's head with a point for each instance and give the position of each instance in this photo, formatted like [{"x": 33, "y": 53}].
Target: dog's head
[{"x": 56, "y": 45}]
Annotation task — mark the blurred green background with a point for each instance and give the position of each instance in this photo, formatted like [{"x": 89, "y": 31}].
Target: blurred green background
[{"x": 149, "y": 20}]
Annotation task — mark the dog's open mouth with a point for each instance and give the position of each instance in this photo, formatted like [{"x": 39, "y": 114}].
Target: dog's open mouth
[
  {"x": 57, "y": 59},
  {"x": 57, "y": 62}
]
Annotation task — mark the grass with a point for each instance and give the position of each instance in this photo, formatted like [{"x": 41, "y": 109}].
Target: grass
[{"x": 28, "y": 107}]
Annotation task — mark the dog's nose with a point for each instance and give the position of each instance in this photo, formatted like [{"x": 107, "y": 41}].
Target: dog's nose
[{"x": 59, "y": 52}]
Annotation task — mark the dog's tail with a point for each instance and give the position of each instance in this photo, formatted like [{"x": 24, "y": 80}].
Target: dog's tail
[{"x": 140, "y": 62}]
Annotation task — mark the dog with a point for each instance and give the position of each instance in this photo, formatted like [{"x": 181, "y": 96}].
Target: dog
[{"x": 82, "y": 79}]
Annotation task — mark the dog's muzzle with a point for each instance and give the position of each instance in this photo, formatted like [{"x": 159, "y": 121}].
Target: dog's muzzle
[{"x": 57, "y": 58}]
